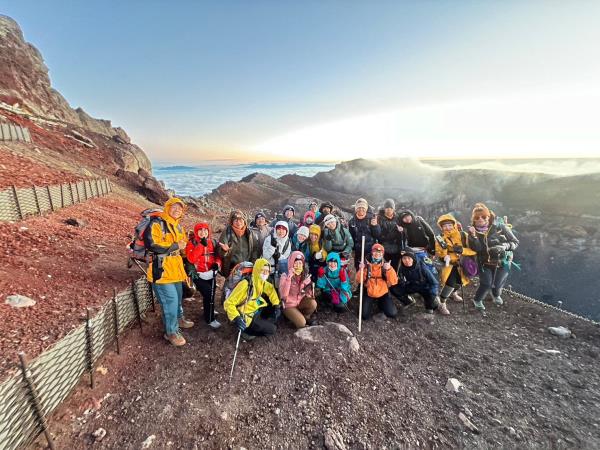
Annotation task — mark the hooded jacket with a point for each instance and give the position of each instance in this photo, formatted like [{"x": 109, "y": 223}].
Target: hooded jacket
[
  {"x": 273, "y": 242},
  {"x": 203, "y": 256},
  {"x": 316, "y": 247},
  {"x": 418, "y": 233},
  {"x": 337, "y": 279},
  {"x": 390, "y": 237},
  {"x": 261, "y": 233},
  {"x": 338, "y": 240},
  {"x": 293, "y": 288},
  {"x": 245, "y": 299},
  {"x": 417, "y": 278},
  {"x": 362, "y": 227},
  {"x": 241, "y": 248},
  {"x": 492, "y": 245},
  {"x": 162, "y": 245},
  {"x": 374, "y": 281},
  {"x": 308, "y": 214},
  {"x": 320, "y": 215},
  {"x": 292, "y": 225},
  {"x": 452, "y": 241}
]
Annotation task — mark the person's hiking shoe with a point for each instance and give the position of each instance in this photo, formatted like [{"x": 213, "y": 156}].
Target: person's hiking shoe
[
  {"x": 247, "y": 337},
  {"x": 479, "y": 305},
  {"x": 443, "y": 309},
  {"x": 429, "y": 311},
  {"x": 183, "y": 323},
  {"x": 176, "y": 339},
  {"x": 456, "y": 297},
  {"x": 411, "y": 302},
  {"x": 311, "y": 321},
  {"x": 188, "y": 299},
  {"x": 498, "y": 301},
  {"x": 215, "y": 324}
]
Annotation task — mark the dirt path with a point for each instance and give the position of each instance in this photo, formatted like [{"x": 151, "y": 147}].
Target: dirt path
[{"x": 287, "y": 393}]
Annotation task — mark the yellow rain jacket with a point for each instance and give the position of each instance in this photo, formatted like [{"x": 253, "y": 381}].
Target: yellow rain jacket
[
  {"x": 161, "y": 242},
  {"x": 452, "y": 238},
  {"x": 236, "y": 304}
]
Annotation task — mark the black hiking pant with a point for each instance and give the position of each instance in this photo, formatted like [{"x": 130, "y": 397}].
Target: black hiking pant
[
  {"x": 263, "y": 323},
  {"x": 385, "y": 302},
  {"x": 402, "y": 293},
  {"x": 491, "y": 279},
  {"x": 205, "y": 289}
]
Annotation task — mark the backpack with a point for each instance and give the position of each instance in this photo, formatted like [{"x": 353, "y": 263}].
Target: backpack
[
  {"x": 469, "y": 265},
  {"x": 241, "y": 271},
  {"x": 426, "y": 262},
  {"x": 137, "y": 247}
]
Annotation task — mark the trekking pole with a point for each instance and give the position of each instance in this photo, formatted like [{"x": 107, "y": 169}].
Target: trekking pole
[
  {"x": 237, "y": 344},
  {"x": 212, "y": 296},
  {"x": 360, "y": 294}
]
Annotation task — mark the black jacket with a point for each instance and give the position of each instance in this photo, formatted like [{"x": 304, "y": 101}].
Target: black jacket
[{"x": 362, "y": 227}]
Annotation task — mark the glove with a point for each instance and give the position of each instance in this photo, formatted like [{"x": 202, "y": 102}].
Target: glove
[
  {"x": 276, "y": 255},
  {"x": 321, "y": 272},
  {"x": 277, "y": 314},
  {"x": 342, "y": 275},
  {"x": 214, "y": 267},
  {"x": 204, "y": 241},
  {"x": 447, "y": 260},
  {"x": 273, "y": 241},
  {"x": 319, "y": 255},
  {"x": 345, "y": 255},
  {"x": 497, "y": 251},
  {"x": 239, "y": 322},
  {"x": 335, "y": 297},
  {"x": 329, "y": 237},
  {"x": 387, "y": 265},
  {"x": 458, "y": 249},
  {"x": 509, "y": 246}
]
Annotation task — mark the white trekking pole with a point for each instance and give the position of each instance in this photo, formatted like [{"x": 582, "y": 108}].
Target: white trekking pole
[
  {"x": 237, "y": 344},
  {"x": 360, "y": 294}
]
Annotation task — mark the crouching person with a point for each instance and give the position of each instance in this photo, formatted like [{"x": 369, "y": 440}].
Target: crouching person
[
  {"x": 248, "y": 309},
  {"x": 416, "y": 278},
  {"x": 296, "y": 292},
  {"x": 334, "y": 283},
  {"x": 378, "y": 277}
]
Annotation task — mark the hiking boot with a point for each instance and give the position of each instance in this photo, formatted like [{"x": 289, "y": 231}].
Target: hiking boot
[
  {"x": 443, "y": 309},
  {"x": 247, "y": 337},
  {"x": 311, "y": 321},
  {"x": 215, "y": 324},
  {"x": 411, "y": 302},
  {"x": 498, "y": 301},
  {"x": 176, "y": 339},
  {"x": 183, "y": 323},
  {"x": 429, "y": 311},
  {"x": 479, "y": 305},
  {"x": 456, "y": 297}
]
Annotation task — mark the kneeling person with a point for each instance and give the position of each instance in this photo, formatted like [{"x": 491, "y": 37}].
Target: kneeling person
[
  {"x": 378, "y": 277},
  {"x": 247, "y": 307},
  {"x": 296, "y": 292},
  {"x": 334, "y": 284},
  {"x": 416, "y": 278}
]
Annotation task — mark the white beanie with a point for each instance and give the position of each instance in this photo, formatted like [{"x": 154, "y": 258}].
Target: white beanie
[
  {"x": 302, "y": 231},
  {"x": 361, "y": 202},
  {"x": 328, "y": 218}
]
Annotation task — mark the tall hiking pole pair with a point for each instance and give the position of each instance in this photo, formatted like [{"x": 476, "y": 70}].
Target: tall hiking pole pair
[
  {"x": 213, "y": 290},
  {"x": 237, "y": 344},
  {"x": 360, "y": 294}
]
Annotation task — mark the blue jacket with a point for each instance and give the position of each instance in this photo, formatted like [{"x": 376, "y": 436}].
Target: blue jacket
[
  {"x": 337, "y": 279},
  {"x": 418, "y": 278}
]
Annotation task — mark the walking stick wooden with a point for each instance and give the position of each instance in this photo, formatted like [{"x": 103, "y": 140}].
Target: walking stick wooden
[{"x": 360, "y": 294}]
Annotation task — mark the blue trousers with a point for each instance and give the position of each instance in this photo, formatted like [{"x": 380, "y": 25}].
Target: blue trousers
[{"x": 170, "y": 296}]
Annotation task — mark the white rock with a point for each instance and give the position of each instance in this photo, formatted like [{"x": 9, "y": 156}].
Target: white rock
[
  {"x": 353, "y": 345},
  {"x": 334, "y": 440},
  {"x": 340, "y": 327},
  {"x": 148, "y": 442},
  {"x": 19, "y": 301},
  {"x": 453, "y": 385},
  {"x": 308, "y": 334},
  {"x": 224, "y": 415},
  {"x": 467, "y": 423},
  {"x": 560, "y": 331},
  {"x": 553, "y": 352},
  {"x": 99, "y": 434}
]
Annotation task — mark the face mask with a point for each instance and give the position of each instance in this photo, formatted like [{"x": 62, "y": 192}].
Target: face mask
[
  {"x": 264, "y": 276},
  {"x": 377, "y": 260},
  {"x": 297, "y": 270}
]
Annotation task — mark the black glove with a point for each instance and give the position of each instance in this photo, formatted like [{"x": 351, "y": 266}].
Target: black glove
[
  {"x": 204, "y": 241},
  {"x": 497, "y": 251},
  {"x": 273, "y": 241},
  {"x": 277, "y": 314},
  {"x": 214, "y": 267},
  {"x": 276, "y": 255},
  {"x": 458, "y": 249},
  {"x": 345, "y": 255},
  {"x": 239, "y": 322},
  {"x": 329, "y": 237}
]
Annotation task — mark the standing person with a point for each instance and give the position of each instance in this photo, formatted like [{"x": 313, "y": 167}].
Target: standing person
[
  {"x": 378, "y": 277},
  {"x": 494, "y": 242},
  {"x": 308, "y": 219},
  {"x": 452, "y": 245},
  {"x": 324, "y": 210},
  {"x": 418, "y": 235},
  {"x": 253, "y": 306},
  {"x": 337, "y": 238},
  {"x": 334, "y": 283},
  {"x": 296, "y": 292},
  {"x": 288, "y": 217},
  {"x": 237, "y": 243},
  {"x": 416, "y": 278},
  {"x": 165, "y": 242},
  {"x": 314, "y": 207},
  {"x": 301, "y": 242},
  {"x": 363, "y": 223},
  {"x": 260, "y": 228},
  {"x": 277, "y": 248},
  {"x": 391, "y": 235},
  {"x": 317, "y": 253},
  {"x": 202, "y": 251}
]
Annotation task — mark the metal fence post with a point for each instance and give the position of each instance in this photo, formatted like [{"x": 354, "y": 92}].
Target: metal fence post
[
  {"x": 50, "y": 197},
  {"x": 33, "y": 397},
  {"x": 62, "y": 196},
  {"x": 71, "y": 193},
  {"x": 137, "y": 304},
  {"x": 116, "y": 319},
  {"x": 19, "y": 210},
  {"x": 37, "y": 200},
  {"x": 89, "y": 347}
]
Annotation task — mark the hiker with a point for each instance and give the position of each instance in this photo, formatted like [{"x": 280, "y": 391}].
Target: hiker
[
  {"x": 324, "y": 209},
  {"x": 277, "y": 248},
  {"x": 449, "y": 249},
  {"x": 416, "y": 278},
  {"x": 237, "y": 243},
  {"x": 296, "y": 292},
  {"x": 334, "y": 283},
  {"x": 417, "y": 234},
  {"x": 494, "y": 242},
  {"x": 165, "y": 242},
  {"x": 203, "y": 252},
  {"x": 260, "y": 228},
  {"x": 314, "y": 207},
  {"x": 300, "y": 241},
  {"x": 288, "y": 217},
  {"x": 253, "y": 306},
  {"x": 391, "y": 236},
  {"x": 378, "y": 277},
  {"x": 317, "y": 252},
  {"x": 363, "y": 223},
  {"x": 308, "y": 219},
  {"x": 337, "y": 238}
]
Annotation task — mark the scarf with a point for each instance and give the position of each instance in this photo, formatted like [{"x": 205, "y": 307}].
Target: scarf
[
  {"x": 482, "y": 229},
  {"x": 239, "y": 232}
]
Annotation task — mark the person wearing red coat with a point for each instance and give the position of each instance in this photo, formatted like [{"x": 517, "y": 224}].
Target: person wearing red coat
[{"x": 202, "y": 252}]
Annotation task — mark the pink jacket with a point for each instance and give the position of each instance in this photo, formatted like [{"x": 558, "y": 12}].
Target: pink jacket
[{"x": 293, "y": 288}]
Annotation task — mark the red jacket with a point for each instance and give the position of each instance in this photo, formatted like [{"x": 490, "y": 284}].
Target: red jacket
[{"x": 202, "y": 256}]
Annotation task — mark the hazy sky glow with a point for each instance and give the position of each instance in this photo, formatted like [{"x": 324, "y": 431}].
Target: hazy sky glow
[{"x": 277, "y": 80}]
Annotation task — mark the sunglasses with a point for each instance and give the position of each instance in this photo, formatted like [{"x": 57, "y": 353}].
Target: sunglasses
[{"x": 481, "y": 217}]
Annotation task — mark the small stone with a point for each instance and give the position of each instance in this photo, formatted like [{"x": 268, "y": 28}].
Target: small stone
[
  {"x": 467, "y": 423},
  {"x": 80, "y": 223},
  {"x": 102, "y": 370},
  {"x": 224, "y": 415},
  {"x": 453, "y": 385},
  {"x": 23, "y": 228},
  {"x": 353, "y": 345},
  {"x": 560, "y": 331},
  {"x": 99, "y": 434},
  {"x": 553, "y": 352},
  {"x": 148, "y": 442},
  {"x": 277, "y": 411},
  {"x": 334, "y": 440},
  {"x": 19, "y": 301}
]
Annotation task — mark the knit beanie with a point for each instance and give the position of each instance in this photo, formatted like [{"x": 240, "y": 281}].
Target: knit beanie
[
  {"x": 259, "y": 215},
  {"x": 389, "y": 203},
  {"x": 328, "y": 219},
  {"x": 302, "y": 231},
  {"x": 361, "y": 202},
  {"x": 377, "y": 247},
  {"x": 480, "y": 210},
  {"x": 410, "y": 254},
  {"x": 288, "y": 208}
]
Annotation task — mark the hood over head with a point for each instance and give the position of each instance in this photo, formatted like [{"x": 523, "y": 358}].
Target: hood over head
[
  {"x": 202, "y": 226},
  {"x": 169, "y": 203}
]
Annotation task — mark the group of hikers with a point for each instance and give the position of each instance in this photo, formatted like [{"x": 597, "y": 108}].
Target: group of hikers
[{"x": 293, "y": 267}]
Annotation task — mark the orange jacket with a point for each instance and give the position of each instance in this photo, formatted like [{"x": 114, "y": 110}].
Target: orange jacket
[{"x": 373, "y": 279}]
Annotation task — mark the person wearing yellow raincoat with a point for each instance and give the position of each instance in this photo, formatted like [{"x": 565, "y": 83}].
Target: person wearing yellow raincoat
[
  {"x": 247, "y": 308},
  {"x": 165, "y": 241},
  {"x": 449, "y": 248}
]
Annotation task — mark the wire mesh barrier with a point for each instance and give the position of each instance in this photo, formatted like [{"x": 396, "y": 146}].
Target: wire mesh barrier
[
  {"x": 29, "y": 397},
  {"x": 18, "y": 203},
  {"x": 14, "y": 132}
]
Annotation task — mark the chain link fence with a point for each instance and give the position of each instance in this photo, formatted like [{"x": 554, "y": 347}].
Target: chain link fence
[
  {"x": 18, "y": 203},
  {"x": 29, "y": 397}
]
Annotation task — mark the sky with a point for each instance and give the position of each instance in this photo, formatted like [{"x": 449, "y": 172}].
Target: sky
[{"x": 260, "y": 80}]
